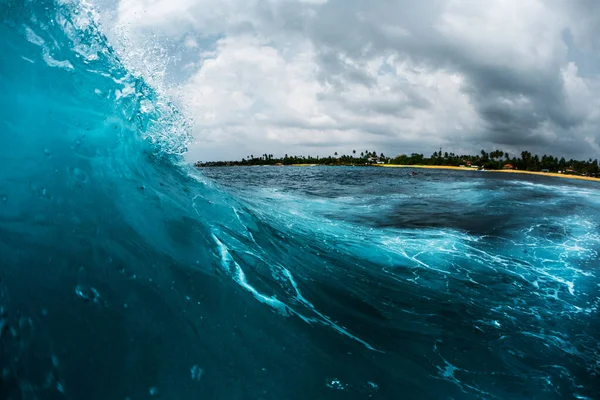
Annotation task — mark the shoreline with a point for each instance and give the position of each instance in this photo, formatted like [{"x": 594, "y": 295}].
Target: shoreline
[
  {"x": 449, "y": 167},
  {"x": 507, "y": 171}
]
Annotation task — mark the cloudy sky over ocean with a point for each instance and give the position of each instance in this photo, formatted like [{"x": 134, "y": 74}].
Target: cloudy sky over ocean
[{"x": 318, "y": 76}]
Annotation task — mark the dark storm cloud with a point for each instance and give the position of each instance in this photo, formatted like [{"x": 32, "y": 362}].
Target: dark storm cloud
[
  {"x": 518, "y": 103},
  {"x": 514, "y": 104}
]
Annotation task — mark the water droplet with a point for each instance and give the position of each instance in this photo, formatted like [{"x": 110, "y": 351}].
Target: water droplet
[
  {"x": 47, "y": 152},
  {"x": 79, "y": 175},
  {"x": 87, "y": 293},
  {"x": 335, "y": 384},
  {"x": 196, "y": 373}
]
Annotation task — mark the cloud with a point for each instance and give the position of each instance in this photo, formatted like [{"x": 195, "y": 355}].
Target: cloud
[{"x": 316, "y": 77}]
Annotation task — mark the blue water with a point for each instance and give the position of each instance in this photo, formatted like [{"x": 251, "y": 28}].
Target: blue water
[{"x": 125, "y": 274}]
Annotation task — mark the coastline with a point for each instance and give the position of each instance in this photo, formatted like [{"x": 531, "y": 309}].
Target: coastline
[{"x": 507, "y": 171}]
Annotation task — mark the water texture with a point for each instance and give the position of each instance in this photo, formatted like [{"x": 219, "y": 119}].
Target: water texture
[{"x": 125, "y": 274}]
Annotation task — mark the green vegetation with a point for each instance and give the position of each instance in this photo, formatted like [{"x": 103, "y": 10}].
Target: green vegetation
[
  {"x": 364, "y": 158},
  {"x": 500, "y": 160},
  {"x": 496, "y": 159}
]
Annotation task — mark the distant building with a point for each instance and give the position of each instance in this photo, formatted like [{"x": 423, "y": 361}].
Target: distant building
[
  {"x": 545, "y": 170},
  {"x": 508, "y": 166}
]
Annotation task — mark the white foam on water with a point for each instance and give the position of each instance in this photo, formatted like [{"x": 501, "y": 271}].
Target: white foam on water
[{"x": 238, "y": 275}]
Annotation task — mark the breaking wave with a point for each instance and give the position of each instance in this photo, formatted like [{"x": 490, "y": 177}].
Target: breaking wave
[{"x": 124, "y": 273}]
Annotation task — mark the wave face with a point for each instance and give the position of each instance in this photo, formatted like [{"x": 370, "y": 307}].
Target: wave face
[{"x": 127, "y": 275}]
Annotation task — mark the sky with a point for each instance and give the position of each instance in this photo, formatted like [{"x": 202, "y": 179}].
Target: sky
[{"x": 392, "y": 76}]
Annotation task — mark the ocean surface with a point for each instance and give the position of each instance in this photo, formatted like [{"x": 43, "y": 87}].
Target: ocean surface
[{"x": 127, "y": 274}]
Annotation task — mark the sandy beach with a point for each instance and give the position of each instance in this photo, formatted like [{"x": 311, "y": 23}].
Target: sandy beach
[{"x": 507, "y": 171}]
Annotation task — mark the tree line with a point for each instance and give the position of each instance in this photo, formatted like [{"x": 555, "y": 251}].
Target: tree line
[
  {"x": 363, "y": 158},
  {"x": 496, "y": 159},
  {"x": 499, "y": 159}
]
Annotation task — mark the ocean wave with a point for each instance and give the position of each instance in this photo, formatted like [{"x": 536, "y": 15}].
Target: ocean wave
[{"x": 123, "y": 270}]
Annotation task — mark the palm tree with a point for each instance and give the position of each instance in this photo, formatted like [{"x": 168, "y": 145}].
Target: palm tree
[{"x": 484, "y": 156}]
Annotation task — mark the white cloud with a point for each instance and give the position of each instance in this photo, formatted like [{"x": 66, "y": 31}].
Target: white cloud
[
  {"x": 250, "y": 93},
  {"x": 321, "y": 76}
]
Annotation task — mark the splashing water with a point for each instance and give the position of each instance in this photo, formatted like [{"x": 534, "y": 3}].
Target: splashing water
[{"x": 126, "y": 274}]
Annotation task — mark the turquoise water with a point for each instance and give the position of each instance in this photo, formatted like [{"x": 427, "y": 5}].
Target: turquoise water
[{"x": 125, "y": 274}]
